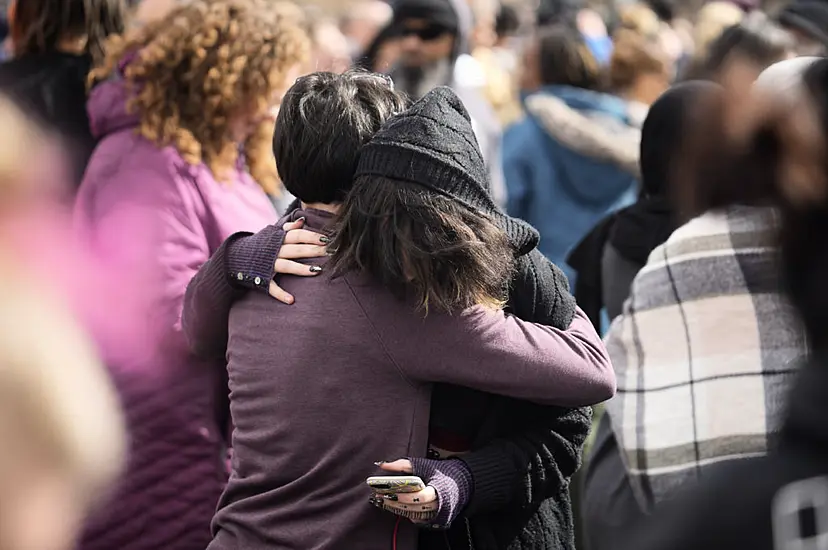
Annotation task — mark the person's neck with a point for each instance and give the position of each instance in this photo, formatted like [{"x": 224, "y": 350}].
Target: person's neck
[{"x": 332, "y": 208}]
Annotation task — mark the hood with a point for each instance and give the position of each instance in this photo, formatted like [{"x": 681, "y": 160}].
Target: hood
[
  {"x": 107, "y": 108},
  {"x": 593, "y": 124}
]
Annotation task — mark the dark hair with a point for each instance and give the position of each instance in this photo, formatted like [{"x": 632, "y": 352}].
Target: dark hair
[
  {"x": 507, "y": 22},
  {"x": 664, "y": 9},
  {"x": 324, "y": 120},
  {"x": 565, "y": 58},
  {"x": 40, "y": 25},
  {"x": 422, "y": 246},
  {"x": 757, "y": 39},
  {"x": 558, "y": 12}
]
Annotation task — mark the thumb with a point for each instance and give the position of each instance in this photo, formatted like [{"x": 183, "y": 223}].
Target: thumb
[{"x": 401, "y": 466}]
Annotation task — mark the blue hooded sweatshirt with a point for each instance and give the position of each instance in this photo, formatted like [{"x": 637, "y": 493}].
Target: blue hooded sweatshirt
[{"x": 569, "y": 163}]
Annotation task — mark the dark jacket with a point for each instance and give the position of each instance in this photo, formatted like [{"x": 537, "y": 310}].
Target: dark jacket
[
  {"x": 52, "y": 88},
  {"x": 523, "y": 455},
  {"x": 768, "y": 503}
]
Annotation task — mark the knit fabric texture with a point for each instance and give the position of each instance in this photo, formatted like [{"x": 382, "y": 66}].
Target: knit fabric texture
[
  {"x": 433, "y": 145},
  {"x": 451, "y": 480}
]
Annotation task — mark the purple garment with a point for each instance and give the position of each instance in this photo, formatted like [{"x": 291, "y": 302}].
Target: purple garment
[
  {"x": 154, "y": 215},
  {"x": 343, "y": 378}
]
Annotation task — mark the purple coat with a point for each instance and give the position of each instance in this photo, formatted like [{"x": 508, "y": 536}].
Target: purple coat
[{"x": 158, "y": 217}]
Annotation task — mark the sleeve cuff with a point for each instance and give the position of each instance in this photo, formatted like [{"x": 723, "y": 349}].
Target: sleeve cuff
[
  {"x": 251, "y": 257},
  {"x": 452, "y": 481},
  {"x": 493, "y": 479}
]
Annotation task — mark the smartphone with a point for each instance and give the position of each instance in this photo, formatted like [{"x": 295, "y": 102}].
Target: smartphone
[{"x": 389, "y": 485}]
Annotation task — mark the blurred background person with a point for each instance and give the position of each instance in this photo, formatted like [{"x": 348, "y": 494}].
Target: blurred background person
[
  {"x": 609, "y": 259},
  {"x": 807, "y": 21},
  {"x": 712, "y": 20},
  {"x": 60, "y": 421},
  {"x": 574, "y": 158},
  {"x": 363, "y": 22},
  {"x": 172, "y": 176},
  {"x": 54, "y": 44},
  {"x": 692, "y": 397},
  {"x": 436, "y": 40},
  {"x": 383, "y": 52},
  {"x": 330, "y": 48},
  {"x": 756, "y": 40},
  {"x": 776, "y": 501},
  {"x": 639, "y": 72}
]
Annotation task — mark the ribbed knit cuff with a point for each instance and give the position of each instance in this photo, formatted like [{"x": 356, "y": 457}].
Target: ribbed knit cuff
[
  {"x": 493, "y": 479},
  {"x": 251, "y": 258},
  {"x": 452, "y": 481}
]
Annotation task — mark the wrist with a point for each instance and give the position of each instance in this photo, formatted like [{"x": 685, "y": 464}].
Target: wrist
[
  {"x": 452, "y": 481},
  {"x": 251, "y": 258}
]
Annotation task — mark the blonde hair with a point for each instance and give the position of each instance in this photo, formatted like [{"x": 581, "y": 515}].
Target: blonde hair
[
  {"x": 713, "y": 19},
  {"x": 640, "y": 19},
  {"x": 634, "y": 55},
  {"x": 192, "y": 71}
]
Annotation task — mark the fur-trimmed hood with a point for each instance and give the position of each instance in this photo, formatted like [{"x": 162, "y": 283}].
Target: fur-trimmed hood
[{"x": 596, "y": 125}]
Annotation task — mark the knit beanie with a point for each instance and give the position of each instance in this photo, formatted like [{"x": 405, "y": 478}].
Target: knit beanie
[
  {"x": 807, "y": 16},
  {"x": 436, "y": 12},
  {"x": 432, "y": 144}
]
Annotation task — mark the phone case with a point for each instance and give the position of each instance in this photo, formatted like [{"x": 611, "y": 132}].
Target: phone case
[{"x": 389, "y": 485}]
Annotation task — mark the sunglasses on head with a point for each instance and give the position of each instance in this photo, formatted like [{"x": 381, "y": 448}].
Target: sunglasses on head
[{"x": 431, "y": 32}]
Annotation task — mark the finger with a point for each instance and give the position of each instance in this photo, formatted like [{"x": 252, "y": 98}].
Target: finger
[
  {"x": 305, "y": 236},
  {"x": 425, "y": 496},
  {"x": 400, "y": 466},
  {"x": 290, "y": 226},
  {"x": 277, "y": 292},
  {"x": 289, "y": 267},
  {"x": 301, "y": 251}
]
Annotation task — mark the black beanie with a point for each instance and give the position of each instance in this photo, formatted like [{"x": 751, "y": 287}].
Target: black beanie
[
  {"x": 436, "y": 12},
  {"x": 432, "y": 144},
  {"x": 807, "y": 16}
]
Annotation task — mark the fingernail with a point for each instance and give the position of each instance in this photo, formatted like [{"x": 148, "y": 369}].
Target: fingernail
[
  {"x": 380, "y": 463},
  {"x": 315, "y": 269},
  {"x": 391, "y": 497},
  {"x": 301, "y": 219},
  {"x": 324, "y": 240}
]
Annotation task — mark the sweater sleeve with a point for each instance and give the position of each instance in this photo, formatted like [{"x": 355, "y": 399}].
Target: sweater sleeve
[
  {"x": 541, "y": 446},
  {"x": 243, "y": 261},
  {"x": 498, "y": 353}
]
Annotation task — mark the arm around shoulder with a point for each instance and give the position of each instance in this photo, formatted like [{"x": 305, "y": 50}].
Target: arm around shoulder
[{"x": 498, "y": 353}]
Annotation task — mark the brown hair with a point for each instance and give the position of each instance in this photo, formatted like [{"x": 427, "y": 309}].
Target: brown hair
[
  {"x": 422, "y": 246},
  {"x": 634, "y": 55},
  {"x": 38, "y": 26},
  {"x": 195, "y": 69}
]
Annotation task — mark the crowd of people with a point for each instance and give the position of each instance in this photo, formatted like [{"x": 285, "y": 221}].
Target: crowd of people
[{"x": 560, "y": 262}]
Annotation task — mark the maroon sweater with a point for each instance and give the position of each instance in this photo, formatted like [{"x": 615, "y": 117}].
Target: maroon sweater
[{"x": 344, "y": 380}]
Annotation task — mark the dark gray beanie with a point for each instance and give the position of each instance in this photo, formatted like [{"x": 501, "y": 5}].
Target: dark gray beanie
[{"x": 432, "y": 144}]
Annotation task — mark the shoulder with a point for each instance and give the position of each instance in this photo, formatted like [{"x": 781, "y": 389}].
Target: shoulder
[{"x": 126, "y": 167}]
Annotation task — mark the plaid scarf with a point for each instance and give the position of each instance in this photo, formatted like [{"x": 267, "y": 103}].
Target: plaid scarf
[{"x": 704, "y": 352}]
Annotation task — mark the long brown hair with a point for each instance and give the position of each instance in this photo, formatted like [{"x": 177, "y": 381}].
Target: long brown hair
[{"x": 422, "y": 246}]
